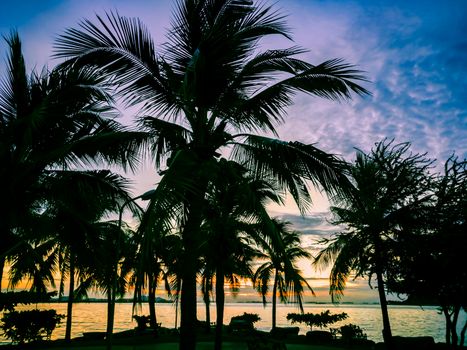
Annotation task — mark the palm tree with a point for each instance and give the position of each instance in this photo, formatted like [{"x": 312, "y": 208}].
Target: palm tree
[
  {"x": 35, "y": 262},
  {"x": 281, "y": 258},
  {"x": 388, "y": 197},
  {"x": 50, "y": 121},
  {"x": 77, "y": 201},
  {"x": 234, "y": 213},
  {"x": 209, "y": 88},
  {"x": 150, "y": 266},
  {"x": 99, "y": 274}
]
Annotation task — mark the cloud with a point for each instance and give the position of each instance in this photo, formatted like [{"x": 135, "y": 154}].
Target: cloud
[
  {"x": 414, "y": 54},
  {"x": 312, "y": 224},
  {"x": 415, "y": 59}
]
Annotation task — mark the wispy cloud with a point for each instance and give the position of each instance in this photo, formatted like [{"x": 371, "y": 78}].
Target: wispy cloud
[{"x": 415, "y": 58}]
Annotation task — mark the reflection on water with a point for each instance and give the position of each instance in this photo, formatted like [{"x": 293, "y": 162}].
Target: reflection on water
[{"x": 405, "y": 320}]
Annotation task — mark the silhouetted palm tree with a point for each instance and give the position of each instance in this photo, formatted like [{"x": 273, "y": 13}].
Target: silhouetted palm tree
[
  {"x": 99, "y": 274},
  {"x": 150, "y": 266},
  {"x": 390, "y": 193},
  {"x": 281, "y": 258},
  {"x": 206, "y": 89},
  {"x": 50, "y": 121},
  {"x": 35, "y": 262},
  {"x": 77, "y": 217},
  {"x": 234, "y": 213}
]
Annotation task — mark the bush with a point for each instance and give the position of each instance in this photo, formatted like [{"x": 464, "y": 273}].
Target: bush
[
  {"x": 243, "y": 322},
  {"x": 351, "y": 331},
  {"x": 27, "y": 326},
  {"x": 320, "y": 320},
  {"x": 251, "y": 318}
]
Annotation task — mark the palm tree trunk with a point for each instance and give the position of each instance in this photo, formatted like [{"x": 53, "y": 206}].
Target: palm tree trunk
[
  {"x": 188, "y": 292},
  {"x": 447, "y": 317},
  {"x": 220, "y": 299},
  {"x": 111, "y": 297},
  {"x": 61, "y": 264},
  {"x": 2, "y": 266},
  {"x": 274, "y": 301},
  {"x": 152, "y": 303},
  {"x": 188, "y": 315},
  {"x": 177, "y": 301},
  {"x": 69, "y": 312},
  {"x": 207, "y": 303},
  {"x": 188, "y": 308},
  {"x": 110, "y": 317},
  {"x": 387, "y": 335}
]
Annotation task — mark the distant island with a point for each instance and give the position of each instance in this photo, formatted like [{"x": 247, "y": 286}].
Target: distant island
[{"x": 102, "y": 300}]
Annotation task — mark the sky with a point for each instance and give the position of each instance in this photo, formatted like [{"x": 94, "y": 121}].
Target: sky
[{"x": 414, "y": 54}]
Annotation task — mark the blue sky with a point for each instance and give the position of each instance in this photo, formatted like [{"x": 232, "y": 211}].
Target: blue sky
[{"x": 414, "y": 54}]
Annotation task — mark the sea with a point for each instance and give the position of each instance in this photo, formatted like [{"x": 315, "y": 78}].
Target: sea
[{"x": 405, "y": 320}]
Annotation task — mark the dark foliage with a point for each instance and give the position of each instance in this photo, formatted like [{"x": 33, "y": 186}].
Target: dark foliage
[
  {"x": 27, "y": 326},
  {"x": 9, "y": 300},
  {"x": 320, "y": 320}
]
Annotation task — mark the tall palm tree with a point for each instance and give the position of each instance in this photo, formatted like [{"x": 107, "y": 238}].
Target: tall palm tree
[
  {"x": 389, "y": 196},
  {"x": 150, "y": 266},
  {"x": 77, "y": 201},
  {"x": 50, "y": 121},
  {"x": 100, "y": 273},
  {"x": 280, "y": 266},
  {"x": 206, "y": 89},
  {"x": 36, "y": 263},
  {"x": 235, "y": 210}
]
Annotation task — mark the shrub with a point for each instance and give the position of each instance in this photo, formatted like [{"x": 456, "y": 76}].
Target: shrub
[
  {"x": 351, "y": 331},
  {"x": 27, "y": 326},
  {"x": 320, "y": 320},
  {"x": 251, "y": 318}
]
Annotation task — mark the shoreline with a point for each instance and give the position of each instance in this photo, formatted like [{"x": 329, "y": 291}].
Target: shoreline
[{"x": 167, "y": 301}]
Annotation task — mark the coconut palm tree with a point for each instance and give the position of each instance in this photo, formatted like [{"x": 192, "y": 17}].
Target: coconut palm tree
[
  {"x": 35, "y": 262},
  {"x": 206, "y": 90},
  {"x": 99, "y": 274},
  {"x": 280, "y": 266},
  {"x": 234, "y": 213},
  {"x": 77, "y": 201},
  {"x": 49, "y": 122},
  {"x": 389, "y": 196},
  {"x": 149, "y": 267}
]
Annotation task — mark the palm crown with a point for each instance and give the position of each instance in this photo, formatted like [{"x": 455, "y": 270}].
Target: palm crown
[
  {"x": 206, "y": 91},
  {"x": 209, "y": 84}
]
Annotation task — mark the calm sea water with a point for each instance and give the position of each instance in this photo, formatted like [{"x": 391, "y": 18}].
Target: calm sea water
[{"x": 405, "y": 320}]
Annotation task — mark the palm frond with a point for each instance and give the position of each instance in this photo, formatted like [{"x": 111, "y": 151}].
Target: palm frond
[{"x": 293, "y": 162}]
